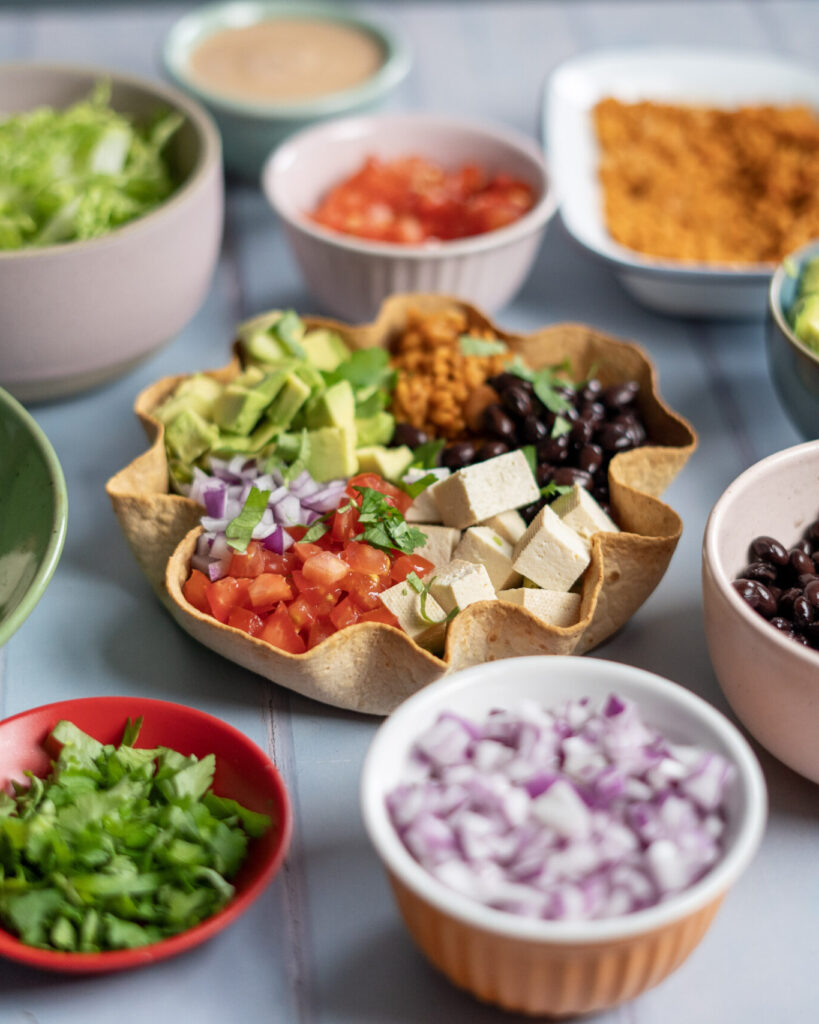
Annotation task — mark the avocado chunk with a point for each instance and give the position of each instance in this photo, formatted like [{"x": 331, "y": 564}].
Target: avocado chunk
[
  {"x": 238, "y": 409},
  {"x": 197, "y": 392},
  {"x": 324, "y": 349},
  {"x": 334, "y": 407},
  {"x": 391, "y": 463},
  {"x": 261, "y": 347},
  {"x": 288, "y": 446},
  {"x": 806, "y": 320},
  {"x": 290, "y": 398},
  {"x": 311, "y": 376},
  {"x": 189, "y": 435},
  {"x": 809, "y": 279},
  {"x": 332, "y": 453},
  {"x": 235, "y": 444},
  {"x": 375, "y": 430},
  {"x": 272, "y": 337}
]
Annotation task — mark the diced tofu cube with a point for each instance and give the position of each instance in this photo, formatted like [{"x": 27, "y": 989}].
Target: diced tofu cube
[
  {"x": 578, "y": 509},
  {"x": 405, "y": 604},
  {"x": 482, "y": 545},
  {"x": 460, "y": 584},
  {"x": 440, "y": 543},
  {"x": 550, "y": 553},
  {"x": 554, "y": 607},
  {"x": 424, "y": 508},
  {"x": 510, "y": 525},
  {"x": 477, "y": 492}
]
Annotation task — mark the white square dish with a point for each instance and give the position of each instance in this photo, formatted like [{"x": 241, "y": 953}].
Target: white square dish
[{"x": 689, "y": 77}]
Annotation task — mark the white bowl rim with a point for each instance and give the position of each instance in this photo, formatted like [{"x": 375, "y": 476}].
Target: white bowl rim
[
  {"x": 775, "y": 296},
  {"x": 621, "y": 256},
  {"x": 210, "y": 153},
  {"x": 712, "y": 886},
  {"x": 713, "y": 562},
  {"x": 395, "y": 68},
  {"x": 533, "y": 220}
]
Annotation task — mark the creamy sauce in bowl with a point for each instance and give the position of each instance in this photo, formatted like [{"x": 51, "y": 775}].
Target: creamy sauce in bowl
[{"x": 286, "y": 60}]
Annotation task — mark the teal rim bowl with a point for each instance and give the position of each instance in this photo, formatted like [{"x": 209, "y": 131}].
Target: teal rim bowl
[
  {"x": 33, "y": 514},
  {"x": 193, "y": 28}
]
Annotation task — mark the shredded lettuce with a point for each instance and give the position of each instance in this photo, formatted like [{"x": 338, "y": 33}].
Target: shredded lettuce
[{"x": 78, "y": 173}]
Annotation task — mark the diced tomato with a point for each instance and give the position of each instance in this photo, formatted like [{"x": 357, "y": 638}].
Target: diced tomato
[
  {"x": 325, "y": 569},
  {"x": 196, "y": 591},
  {"x": 364, "y": 558},
  {"x": 282, "y": 564},
  {"x": 405, "y": 564},
  {"x": 394, "y": 495},
  {"x": 365, "y": 589},
  {"x": 305, "y": 551},
  {"x": 345, "y": 525},
  {"x": 226, "y": 594},
  {"x": 248, "y": 563},
  {"x": 381, "y": 614},
  {"x": 267, "y": 590},
  {"x": 297, "y": 532},
  {"x": 345, "y": 613},
  {"x": 303, "y": 612},
  {"x": 241, "y": 618},
  {"x": 320, "y": 630},
  {"x": 278, "y": 629}
]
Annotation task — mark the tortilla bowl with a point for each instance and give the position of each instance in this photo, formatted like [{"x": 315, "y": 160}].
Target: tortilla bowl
[{"x": 372, "y": 667}]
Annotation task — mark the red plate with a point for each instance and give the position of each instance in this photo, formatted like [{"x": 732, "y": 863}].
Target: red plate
[{"x": 243, "y": 772}]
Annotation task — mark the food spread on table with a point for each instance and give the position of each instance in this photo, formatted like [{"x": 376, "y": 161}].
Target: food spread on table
[
  {"x": 578, "y": 812},
  {"x": 412, "y": 200},
  {"x": 117, "y": 847},
  {"x": 79, "y": 173},
  {"x": 703, "y": 184}
]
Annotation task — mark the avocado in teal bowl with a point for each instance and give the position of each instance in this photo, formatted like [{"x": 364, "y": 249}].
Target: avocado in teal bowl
[{"x": 33, "y": 514}]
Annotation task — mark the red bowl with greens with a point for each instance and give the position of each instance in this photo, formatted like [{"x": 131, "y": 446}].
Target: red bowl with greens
[{"x": 243, "y": 773}]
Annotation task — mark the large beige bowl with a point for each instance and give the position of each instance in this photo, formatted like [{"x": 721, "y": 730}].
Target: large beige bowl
[
  {"x": 372, "y": 667},
  {"x": 771, "y": 682},
  {"x": 74, "y": 315}
]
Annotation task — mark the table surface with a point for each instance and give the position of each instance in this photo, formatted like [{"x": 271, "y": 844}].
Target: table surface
[{"x": 325, "y": 945}]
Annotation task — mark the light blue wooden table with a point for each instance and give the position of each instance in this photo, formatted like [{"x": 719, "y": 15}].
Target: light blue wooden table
[{"x": 325, "y": 944}]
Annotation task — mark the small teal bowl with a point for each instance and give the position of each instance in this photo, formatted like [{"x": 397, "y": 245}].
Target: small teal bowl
[
  {"x": 33, "y": 514},
  {"x": 251, "y": 130},
  {"x": 794, "y": 366}
]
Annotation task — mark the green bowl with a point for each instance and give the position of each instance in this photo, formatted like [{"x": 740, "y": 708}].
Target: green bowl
[
  {"x": 33, "y": 514},
  {"x": 250, "y": 130}
]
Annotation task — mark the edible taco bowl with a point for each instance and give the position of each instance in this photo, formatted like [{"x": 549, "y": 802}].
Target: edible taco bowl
[{"x": 372, "y": 667}]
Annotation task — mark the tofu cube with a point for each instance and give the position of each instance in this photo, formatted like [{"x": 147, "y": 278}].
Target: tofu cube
[
  {"x": 405, "y": 604},
  {"x": 484, "y": 546},
  {"x": 509, "y": 525},
  {"x": 578, "y": 509},
  {"x": 477, "y": 492},
  {"x": 460, "y": 584},
  {"x": 440, "y": 543},
  {"x": 424, "y": 508},
  {"x": 553, "y": 607},
  {"x": 550, "y": 553}
]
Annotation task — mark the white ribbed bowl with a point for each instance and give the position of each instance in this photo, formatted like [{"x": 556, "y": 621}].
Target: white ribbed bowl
[{"x": 351, "y": 276}]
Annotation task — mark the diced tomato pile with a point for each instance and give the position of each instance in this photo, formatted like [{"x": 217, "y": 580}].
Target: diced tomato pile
[
  {"x": 296, "y": 600},
  {"x": 411, "y": 199}
]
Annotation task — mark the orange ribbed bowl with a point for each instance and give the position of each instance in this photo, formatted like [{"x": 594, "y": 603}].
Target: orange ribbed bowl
[{"x": 558, "y": 968}]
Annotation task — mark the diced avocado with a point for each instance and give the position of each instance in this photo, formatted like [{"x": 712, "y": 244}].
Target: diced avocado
[
  {"x": 249, "y": 377},
  {"x": 806, "y": 320},
  {"x": 271, "y": 383},
  {"x": 332, "y": 453},
  {"x": 261, "y": 347},
  {"x": 201, "y": 390},
  {"x": 809, "y": 278},
  {"x": 369, "y": 401},
  {"x": 334, "y": 407},
  {"x": 235, "y": 444},
  {"x": 188, "y": 435},
  {"x": 376, "y": 429},
  {"x": 391, "y": 463},
  {"x": 291, "y": 397},
  {"x": 272, "y": 337},
  {"x": 287, "y": 446},
  {"x": 311, "y": 376},
  {"x": 325, "y": 349},
  {"x": 238, "y": 409}
]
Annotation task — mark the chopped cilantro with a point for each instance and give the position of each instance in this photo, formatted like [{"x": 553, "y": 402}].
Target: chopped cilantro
[
  {"x": 422, "y": 606},
  {"x": 471, "y": 346},
  {"x": 320, "y": 526},
  {"x": 425, "y": 456},
  {"x": 415, "y": 582},
  {"x": 561, "y": 426},
  {"x": 240, "y": 530},
  {"x": 531, "y": 457},
  {"x": 552, "y": 490},
  {"x": 366, "y": 368},
  {"x": 416, "y": 488},
  {"x": 384, "y": 526}
]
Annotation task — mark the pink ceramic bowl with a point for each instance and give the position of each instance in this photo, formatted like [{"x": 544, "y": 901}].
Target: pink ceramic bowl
[
  {"x": 771, "y": 682},
  {"x": 352, "y": 276},
  {"x": 77, "y": 314}
]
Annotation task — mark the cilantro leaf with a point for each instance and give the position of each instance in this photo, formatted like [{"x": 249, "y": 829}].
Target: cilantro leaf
[
  {"x": 320, "y": 526},
  {"x": 561, "y": 426},
  {"x": 422, "y": 606},
  {"x": 552, "y": 490},
  {"x": 418, "y": 486},
  {"x": 471, "y": 346},
  {"x": 384, "y": 525},
  {"x": 366, "y": 368},
  {"x": 240, "y": 530},
  {"x": 530, "y": 455},
  {"x": 425, "y": 456},
  {"x": 415, "y": 582}
]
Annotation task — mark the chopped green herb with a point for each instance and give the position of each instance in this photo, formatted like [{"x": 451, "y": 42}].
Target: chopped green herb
[
  {"x": 422, "y": 607},
  {"x": 544, "y": 382},
  {"x": 418, "y": 486},
  {"x": 415, "y": 581},
  {"x": 552, "y": 490},
  {"x": 366, "y": 368},
  {"x": 496, "y": 539},
  {"x": 240, "y": 530},
  {"x": 471, "y": 346},
  {"x": 384, "y": 525},
  {"x": 320, "y": 526},
  {"x": 561, "y": 426},
  {"x": 425, "y": 456},
  {"x": 531, "y": 457}
]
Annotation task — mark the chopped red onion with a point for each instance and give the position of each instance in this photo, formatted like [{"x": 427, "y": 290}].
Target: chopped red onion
[{"x": 569, "y": 814}]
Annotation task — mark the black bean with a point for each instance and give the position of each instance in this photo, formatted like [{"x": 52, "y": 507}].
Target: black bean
[
  {"x": 497, "y": 424},
  {"x": 812, "y": 533},
  {"x": 567, "y": 476},
  {"x": 544, "y": 473},
  {"x": 591, "y": 389},
  {"x": 458, "y": 455},
  {"x": 405, "y": 433},
  {"x": 757, "y": 595},
  {"x": 783, "y": 625},
  {"x": 766, "y": 549},
  {"x": 619, "y": 395},
  {"x": 613, "y": 437},
  {"x": 776, "y": 592},
  {"x": 590, "y": 458},
  {"x": 501, "y": 381},
  {"x": 491, "y": 450},
  {"x": 785, "y": 602},
  {"x": 803, "y": 545},
  {"x": 802, "y": 612},
  {"x": 528, "y": 512},
  {"x": 581, "y": 433},
  {"x": 812, "y": 592},
  {"x": 595, "y": 412},
  {"x": 554, "y": 449},
  {"x": 517, "y": 401},
  {"x": 532, "y": 430},
  {"x": 800, "y": 563},
  {"x": 811, "y": 634},
  {"x": 762, "y": 571},
  {"x": 601, "y": 495}
]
